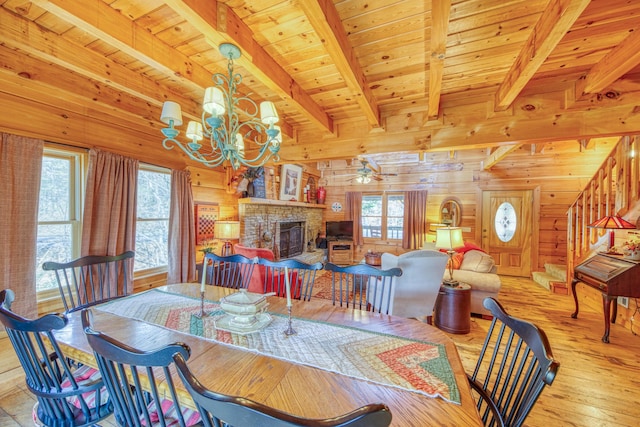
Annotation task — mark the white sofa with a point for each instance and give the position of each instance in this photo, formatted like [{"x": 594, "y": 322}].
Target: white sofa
[{"x": 414, "y": 293}]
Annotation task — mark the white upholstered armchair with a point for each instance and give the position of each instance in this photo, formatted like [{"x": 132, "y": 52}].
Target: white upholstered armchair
[{"x": 414, "y": 293}]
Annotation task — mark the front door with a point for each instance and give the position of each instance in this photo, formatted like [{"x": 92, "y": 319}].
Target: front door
[{"x": 507, "y": 230}]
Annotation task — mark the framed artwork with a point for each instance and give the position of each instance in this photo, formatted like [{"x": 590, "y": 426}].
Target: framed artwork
[
  {"x": 290, "y": 182},
  {"x": 206, "y": 215}
]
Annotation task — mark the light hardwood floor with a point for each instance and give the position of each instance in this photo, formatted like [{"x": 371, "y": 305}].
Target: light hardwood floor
[{"x": 596, "y": 384}]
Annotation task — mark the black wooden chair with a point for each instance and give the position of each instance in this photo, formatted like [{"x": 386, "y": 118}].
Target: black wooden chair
[
  {"x": 230, "y": 411},
  {"x": 139, "y": 382},
  {"x": 514, "y": 366},
  {"x": 362, "y": 286},
  {"x": 301, "y": 277},
  {"x": 232, "y": 271},
  {"x": 92, "y": 279},
  {"x": 67, "y": 395}
]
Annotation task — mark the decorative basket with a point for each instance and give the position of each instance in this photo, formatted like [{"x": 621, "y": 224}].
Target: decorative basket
[{"x": 373, "y": 258}]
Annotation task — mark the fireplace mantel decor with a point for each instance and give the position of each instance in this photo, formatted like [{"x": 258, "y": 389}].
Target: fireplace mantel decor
[{"x": 290, "y": 183}]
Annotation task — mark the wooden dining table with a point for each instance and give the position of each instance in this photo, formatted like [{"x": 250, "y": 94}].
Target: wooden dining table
[{"x": 292, "y": 387}]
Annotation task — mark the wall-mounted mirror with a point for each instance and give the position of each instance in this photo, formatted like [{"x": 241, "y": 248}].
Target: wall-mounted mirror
[{"x": 451, "y": 212}]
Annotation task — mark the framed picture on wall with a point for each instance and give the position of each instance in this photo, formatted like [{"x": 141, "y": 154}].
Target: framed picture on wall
[
  {"x": 290, "y": 182},
  {"x": 206, "y": 216}
]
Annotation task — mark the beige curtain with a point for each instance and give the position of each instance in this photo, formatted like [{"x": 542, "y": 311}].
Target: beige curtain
[
  {"x": 20, "y": 170},
  {"x": 109, "y": 222},
  {"x": 353, "y": 211},
  {"x": 182, "y": 235},
  {"x": 415, "y": 216}
]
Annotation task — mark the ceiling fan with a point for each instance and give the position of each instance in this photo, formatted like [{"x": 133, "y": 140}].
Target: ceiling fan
[{"x": 369, "y": 170}]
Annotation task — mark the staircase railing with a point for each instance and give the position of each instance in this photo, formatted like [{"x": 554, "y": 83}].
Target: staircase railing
[{"x": 614, "y": 189}]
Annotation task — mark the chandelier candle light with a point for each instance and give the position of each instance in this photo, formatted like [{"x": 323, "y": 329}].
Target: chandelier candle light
[
  {"x": 449, "y": 238},
  {"x": 226, "y": 133}
]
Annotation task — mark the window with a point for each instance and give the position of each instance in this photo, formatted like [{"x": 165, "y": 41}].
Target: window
[
  {"x": 505, "y": 222},
  {"x": 59, "y": 212},
  {"x": 383, "y": 216},
  {"x": 152, "y": 226}
]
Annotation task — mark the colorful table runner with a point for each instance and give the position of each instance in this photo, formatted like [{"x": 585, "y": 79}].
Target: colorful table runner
[{"x": 409, "y": 364}]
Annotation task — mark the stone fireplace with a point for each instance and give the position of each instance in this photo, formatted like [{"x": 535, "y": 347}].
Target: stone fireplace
[{"x": 282, "y": 226}]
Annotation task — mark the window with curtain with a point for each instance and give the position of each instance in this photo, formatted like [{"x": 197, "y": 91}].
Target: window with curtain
[
  {"x": 59, "y": 212},
  {"x": 152, "y": 226},
  {"x": 383, "y": 216}
]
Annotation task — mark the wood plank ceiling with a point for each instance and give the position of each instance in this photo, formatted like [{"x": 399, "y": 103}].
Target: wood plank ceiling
[{"x": 348, "y": 77}]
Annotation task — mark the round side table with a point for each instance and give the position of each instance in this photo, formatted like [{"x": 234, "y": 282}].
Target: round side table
[{"x": 453, "y": 309}]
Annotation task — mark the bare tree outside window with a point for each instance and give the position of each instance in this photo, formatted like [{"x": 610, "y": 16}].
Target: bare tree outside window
[
  {"x": 152, "y": 227},
  {"x": 383, "y": 216}
]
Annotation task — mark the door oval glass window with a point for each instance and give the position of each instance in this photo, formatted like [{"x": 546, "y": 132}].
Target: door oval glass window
[{"x": 506, "y": 222}]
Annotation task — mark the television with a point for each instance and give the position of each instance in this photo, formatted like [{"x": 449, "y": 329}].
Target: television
[{"x": 339, "y": 230}]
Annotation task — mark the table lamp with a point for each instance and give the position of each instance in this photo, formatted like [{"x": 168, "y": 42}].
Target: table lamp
[
  {"x": 449, "y": 238},
  {"x": 612, "y": 222},
  {"x": 227, "y": 230}
]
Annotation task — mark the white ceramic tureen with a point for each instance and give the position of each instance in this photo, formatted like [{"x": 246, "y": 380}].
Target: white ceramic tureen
[{"x": 244, "y": 312}]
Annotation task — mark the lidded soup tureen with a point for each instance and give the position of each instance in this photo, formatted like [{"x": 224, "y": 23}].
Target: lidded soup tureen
[{"x": 244, "y": 312}]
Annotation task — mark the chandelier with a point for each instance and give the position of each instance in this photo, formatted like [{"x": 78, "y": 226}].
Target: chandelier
[{"x": 223, "y": 108}]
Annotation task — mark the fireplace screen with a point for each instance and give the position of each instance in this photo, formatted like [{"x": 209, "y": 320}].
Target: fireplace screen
[{"x": 291, "y": 239}]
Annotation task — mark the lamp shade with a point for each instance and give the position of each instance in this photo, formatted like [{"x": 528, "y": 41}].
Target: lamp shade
[
  {"x": 449, "y": 238},
  {"x": 268, "y": 113},
  {"x": 194, "y": 131},
  {"x": 227, "y": 230},
  {"x": 613, "y": 222},
  {"x": 171, "y": 111},
  {"x": 213, "y": 101}
]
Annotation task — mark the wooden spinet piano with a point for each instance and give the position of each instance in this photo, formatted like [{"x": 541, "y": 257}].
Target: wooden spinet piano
[{"x": 612, "y": 275}]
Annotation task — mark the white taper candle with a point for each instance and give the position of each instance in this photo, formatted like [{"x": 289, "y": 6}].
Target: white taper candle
[
  {"x": 204, "y": 274},
  {"x": 287, "y": 286}
]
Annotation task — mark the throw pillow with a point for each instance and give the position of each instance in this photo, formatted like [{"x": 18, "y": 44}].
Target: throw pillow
[
  {"x": 469, "y": 246},
  {"x": 477, "y": 261},
  {"x": 457, "y": 261}
]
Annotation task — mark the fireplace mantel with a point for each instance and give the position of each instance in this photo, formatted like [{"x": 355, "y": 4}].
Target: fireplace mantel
[{"x": 271, "y": 202}]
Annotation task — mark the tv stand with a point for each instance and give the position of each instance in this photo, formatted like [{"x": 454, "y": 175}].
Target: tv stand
[{"x": 341, "y": 252}]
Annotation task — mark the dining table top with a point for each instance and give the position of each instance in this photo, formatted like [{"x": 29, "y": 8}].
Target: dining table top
[{"x": 296, "y": 388}]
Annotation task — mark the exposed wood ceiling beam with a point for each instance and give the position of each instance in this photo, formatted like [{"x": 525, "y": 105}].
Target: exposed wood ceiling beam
[
  {"x": 499, "y": 154},
  {"x": 551, "y": 123},
  {"x": 587, "y": 144},
  {"x": 538, "y": 148},
  {"x": 324, "y": 18},
  {"x": 49, "y": 47},
  {"x": 99, "y": 19},
  {"x": 440, "y": 11},
  {"x": 620, "y": 60},
  {"x": 555, "y": 21},
  {"x": 221, "y": 24}
]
